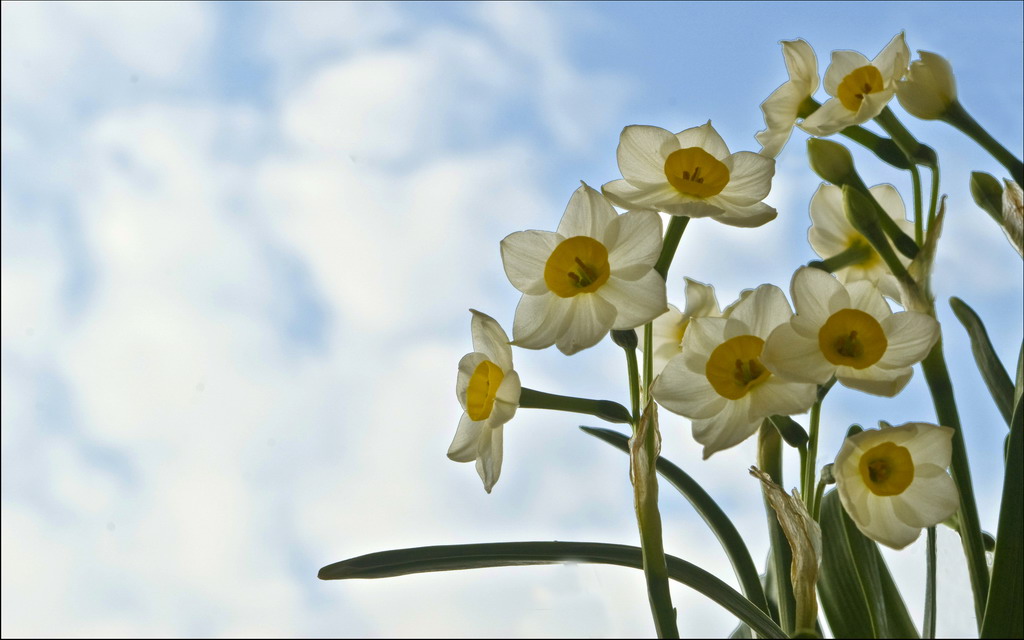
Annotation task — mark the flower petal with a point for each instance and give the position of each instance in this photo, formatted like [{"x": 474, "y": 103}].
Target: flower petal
[
  {"x": 489, "y": 455},
  {"x": 776, "y": 396},
  {"x": 642, "y": 151},
  {"x": 749, "y": 216},
  {"x": 704, "y": 137},
  {"x": 843, "y": 63},
  {"x": 540, "y": 320},
  {"x": 865, "y": 296},
  {"x": 467, "y": 365},
  {"x": 830, "y": 231},
  {"x": 933, "y": 444},
  {"x": 911, "y": 336},
  {"x": 637, "y": 302},
  {"x": 703, "y": 335},
  {"x": 654, "y": 197},
  {"x": 760, "y": 312},
  {"x": 700, "y": 299},
  {"x": 795, "y": 357},
  {"x": 591, "y": 319},
  {"x": 829, "y": 118},
  {"x": 801, "y": 63},
  {"x": 727, "y": 429},
  {"x": 464, "y": 446},
  {"x": 686, "y": 393},
  {"x": 879, "y": 382},
  {"x": 817, "y": 295},
  {"x": 633, "y": 241},
  {"x": 931, "y": 498},
  {"x": 885, "y": 526},
  {"x": 750, "y": 177},
  {"x": 587, "y": 214},
  {"x": 490, "y": 339},
  {"x": 506, "y": 400},
  {"x": 892, "y": 61},
  {"x": 524, "y": 254}
]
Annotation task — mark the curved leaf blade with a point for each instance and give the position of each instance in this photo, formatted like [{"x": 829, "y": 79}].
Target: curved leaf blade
[
  {"x": 400, "y": 562},
  {"x": 706, "y": 507},
  {"x": 992, "y": 370}
]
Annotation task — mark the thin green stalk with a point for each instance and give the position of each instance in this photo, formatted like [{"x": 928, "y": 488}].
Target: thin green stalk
[
  {"x": 856, "y": 253},
  {"x": 604, "y": 409},
  {"x": 648, "y": 361},
  {"x": 957, "y": 116},
  {"x": 937, "y": 376},
  {"x": 915, "y": 178},
  {"x": 676, "y": 227},
  {"x": 634, "y": 382},
  {"x": 928, "y": 628},
  {"x": 819, "y": 491},
  {"x": 769, "y": 460},
  {"x": 810, "y": 466},
  {"x": 934, "y": 201}
]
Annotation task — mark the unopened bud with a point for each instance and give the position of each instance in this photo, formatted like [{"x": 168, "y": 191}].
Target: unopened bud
[
  {"x": 928, "y": 88},
  {"x": 830, "y": 160}
]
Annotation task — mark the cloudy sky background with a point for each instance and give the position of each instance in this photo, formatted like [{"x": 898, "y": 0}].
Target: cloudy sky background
[{"x": 239, "y": 245}]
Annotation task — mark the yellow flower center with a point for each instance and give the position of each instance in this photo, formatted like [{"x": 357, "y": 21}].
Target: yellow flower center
[
  {"x": 696, "y": 172},
  {"x": 735, "y": 368},
  {"x": 483, "y": 386},
  {"x": 887, "y": 469},
  {"x": 577, "y": 265},
  {"x": 859, "y": 83},
  {"x": 852, "y": 338}
]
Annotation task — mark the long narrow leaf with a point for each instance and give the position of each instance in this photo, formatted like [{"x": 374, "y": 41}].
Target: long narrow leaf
[
  {"x": 769, "y": 459},
  {"x": 992, "y": 370},
  {"x": 400, "y": 562},
  {"x": 857, "y": 591},
  {"x": 708, "y": 509},
  {"x": 1003, "y": 612}
]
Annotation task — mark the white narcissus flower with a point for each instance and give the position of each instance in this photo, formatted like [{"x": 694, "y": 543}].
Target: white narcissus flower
[
  {"x": 594, "y": 274},
  {"x": 893, "y": 481},
  {"x": 929, "y": 87},
  {"x": 719, "y": 381},
  {"x": 849, "y": 332},
  {"x": 782, "y": 107},
  {"x": 692, "y": 174},
  {"x": 488, "y": 389},
  {"x": 668, "y": 329},
  {"x": 860, "y": 88},
  {"x": 831, "y": 233}
]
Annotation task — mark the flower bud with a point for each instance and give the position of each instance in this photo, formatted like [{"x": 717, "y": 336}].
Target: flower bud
[
  {"x": 929, "y": 87},
  {"x": 830, "y": 160}
]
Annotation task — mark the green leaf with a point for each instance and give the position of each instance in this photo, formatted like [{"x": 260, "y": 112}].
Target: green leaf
[
  {"x": 857, "y": 591},
  {"x": 708, "y": 509},
  {"x": 769, "y": 459},
  {"x": 400, "y": 562},
  {"x": 1003, "y": 612},
  {"x": 992, "y": 371}
]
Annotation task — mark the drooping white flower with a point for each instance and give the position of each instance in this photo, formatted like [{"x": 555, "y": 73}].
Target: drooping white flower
[
  {"x": 893, "y": 481},
  {"x": 668, "y": 329},
  {"x": 860, "y": 88},
  {"x": 692, "y": 174},
  {"x": 782, "y": 107},
  {"x": 719, "y": 381},
  {"x": 849, "y": 332},
  {"x": 594, "y": 274},
  {"x": 488, "y": 389},
  {"x": 831, "y": 233},
  {"x": 929, "y": 87}
]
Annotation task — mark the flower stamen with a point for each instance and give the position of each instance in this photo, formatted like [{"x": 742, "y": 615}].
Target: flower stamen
[{"x": 577, "y": 265}]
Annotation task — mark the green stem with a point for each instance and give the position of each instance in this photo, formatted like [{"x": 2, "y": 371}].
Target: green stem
[
  {"x": 819, "y": 491},
  {"x": 634, "y": 382},
  {"x": 604, "y": 409},
  {"x": 934, "y": 202},
  {"x": 915, "y": 178},
  {"x": 676, "y": 227},
  {"x": 957, "y": 116},
  {"x": 928, "y": 628},
  {"x": 769, "y": 460},
  {"x": 937, "y": 376},
  {"x": 648, "y": 361},
  {"x": 810, "y": 466},
  {"x": 856, "y": 253}
]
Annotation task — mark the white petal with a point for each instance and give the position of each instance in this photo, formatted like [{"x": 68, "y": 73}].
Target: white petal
[
  {"x": 540, "y": 320},
  {"x": 591, "y": 319},
  {"x": 885, "y": 526},
  {"x": 843, "y": 63},
  {"x": 653, "y": 197},
  {"x": 932, "y": 444},
  {"x": 931, "y": 498},
  {"x": 704, "y": 137},
  {"x": 633, "y": 241},
  {"x": 817, "y": 295},
  {"x": 687, "y": 393},
  {"x": 795, "y": 357},
  {"x": 801, "y": 63},
  {"x": 776, "y": 396},
  {"x": 467, "y": 365},
  {"x": 780, "y": 110},
  {"x": 872, "y": 105},
  {"x": 637, "y": 302},
  {"x": 490, "y": 339},
  {"x": 642, "y": 151},
  {"x": 865, "y": 296},
  {"x": 753, "y": 215},
  {"x": 829, "y": 118},
  {"x": 727, "y": 429},
  {"x": 587, "y": 214},
  {"x": 465, "y": 444},
  {"x": 700, "y": 300},
  {"x": 488, "y": 463},
  {"x": 830, "y": 231},
  {"x": 524, "y": 254},
  {"x": 892, "y": 61},
  {"x": 703, "y": 335},
  {"x": 892, "y": 203},
  {"x": 879, "y": 382},
  {"x": 761, "y": 311},
  {"x": 750, "y": 177},
  {"x": 911, "y": 336},
  {"x": 506, "y": 401}
]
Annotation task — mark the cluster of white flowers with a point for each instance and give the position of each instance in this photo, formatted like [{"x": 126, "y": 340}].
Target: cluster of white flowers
[{"x": 727, "y": 371}]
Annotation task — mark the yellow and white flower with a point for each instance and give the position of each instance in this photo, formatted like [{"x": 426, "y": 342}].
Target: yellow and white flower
[
  {"x": 860, "y": 89},
  {"x": 848, "y": 331},
  {"x": 831, "y": 234},
  {"x": 782, "y": 107},
  {"x": 668, "y": 329},
  {"x": 719, "y": 381},
  {"x": 692, "y": 174},
  {"x": 488, "y": 389},
  {"x": 594, "y": 274},
  {"x": 893, "y": 481},
  {"x": 929, "y": 88}
]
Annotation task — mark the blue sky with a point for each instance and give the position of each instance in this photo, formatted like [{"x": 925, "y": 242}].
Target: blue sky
[{"x": 239, "y": 243}]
